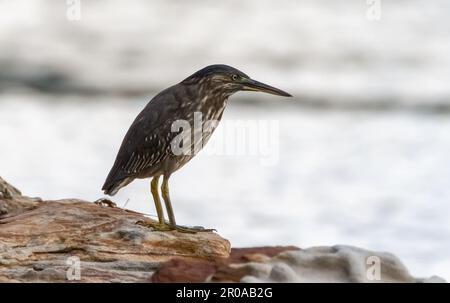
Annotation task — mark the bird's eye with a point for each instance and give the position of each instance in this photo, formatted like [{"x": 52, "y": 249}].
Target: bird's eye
[{"x": 234, "y": 77}]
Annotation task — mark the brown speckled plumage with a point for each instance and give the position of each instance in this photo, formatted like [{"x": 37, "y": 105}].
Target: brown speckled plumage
[{"x": 146, "y": 149}]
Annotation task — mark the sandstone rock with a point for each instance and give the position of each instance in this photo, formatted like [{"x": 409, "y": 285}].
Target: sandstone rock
[
  {"x": 11, "y": 200},
  {"x": 47, "y": 241},
  {"x": 341, "y": 264},
  {"x": 217, "y": 270},
  {"x": 39, "y": 240}
]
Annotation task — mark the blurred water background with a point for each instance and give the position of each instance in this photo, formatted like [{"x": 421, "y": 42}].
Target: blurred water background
[{"x": 363, "y": 148}]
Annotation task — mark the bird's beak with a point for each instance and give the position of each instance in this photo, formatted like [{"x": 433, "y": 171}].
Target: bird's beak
[{"x": 253, "y": 85}]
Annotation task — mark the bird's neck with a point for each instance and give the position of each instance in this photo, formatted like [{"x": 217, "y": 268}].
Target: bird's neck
[{"x": 210, "y": 97}]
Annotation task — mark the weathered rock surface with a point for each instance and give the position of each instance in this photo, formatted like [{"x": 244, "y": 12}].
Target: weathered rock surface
[
  {"x": 218, "y": 270},
  {"x": 331, "y": 264},
  {"x": 44, "y": 241},
  {"x": 341, "y": 264},
  {"x": 37, "y": 239}
]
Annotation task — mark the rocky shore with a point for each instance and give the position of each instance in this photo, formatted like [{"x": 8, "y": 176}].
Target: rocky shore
[{"x": 72, "y": 240}]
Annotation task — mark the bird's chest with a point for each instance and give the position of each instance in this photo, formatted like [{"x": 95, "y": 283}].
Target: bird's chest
[
  {"x": 203, "y": 119},
  {"x": 210, "y": 115}
]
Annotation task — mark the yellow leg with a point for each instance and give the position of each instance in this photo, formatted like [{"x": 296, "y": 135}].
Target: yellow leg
[
  {"x": 161, "y": 225},
  {"x": 172, "y": 222},
  {"x": 166, "y": 197},
  {"x": 158, "y": 206}
]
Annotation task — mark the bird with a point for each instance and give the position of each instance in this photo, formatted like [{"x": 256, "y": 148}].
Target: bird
[{"x": 156, "y": 146}]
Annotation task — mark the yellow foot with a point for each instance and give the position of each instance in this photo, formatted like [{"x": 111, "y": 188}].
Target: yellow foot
[
  {"x": 166, "y": 227},
  {"x": 193, "y": 229},
  {"x": 154, "y": 225}
]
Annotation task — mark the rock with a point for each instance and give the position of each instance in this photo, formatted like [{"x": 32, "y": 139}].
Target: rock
[
  {"x": 325, "y": 264},
  {"x": 292, "y": 264},
  {"x": 11, "y": 200},
  {"x": 218, "y": 270},
  {"x": 7, "y": 191},
  {"x": 42, "y": 241},
  {"x": 330, "y": 264},
  {"x": 74, "y": 240}
]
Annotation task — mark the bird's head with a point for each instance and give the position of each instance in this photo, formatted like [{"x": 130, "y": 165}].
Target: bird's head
[{"x": 229, "y": 80}]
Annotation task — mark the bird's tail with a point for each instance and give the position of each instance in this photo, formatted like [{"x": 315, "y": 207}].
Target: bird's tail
[{"x": 111, "y": 188}]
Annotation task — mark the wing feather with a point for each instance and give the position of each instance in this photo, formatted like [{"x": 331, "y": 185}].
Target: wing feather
[{"x": 145, "y": 142}]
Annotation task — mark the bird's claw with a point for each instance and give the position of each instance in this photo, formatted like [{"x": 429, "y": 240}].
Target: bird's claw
[
  {"x": 193, "y": 229},
  {"x": 154, "y": 225}
]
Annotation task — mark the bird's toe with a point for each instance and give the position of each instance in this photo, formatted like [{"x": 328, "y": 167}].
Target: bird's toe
[
  {"x": 156, "y": 226},
  {"x": 193, "y": 229}
]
